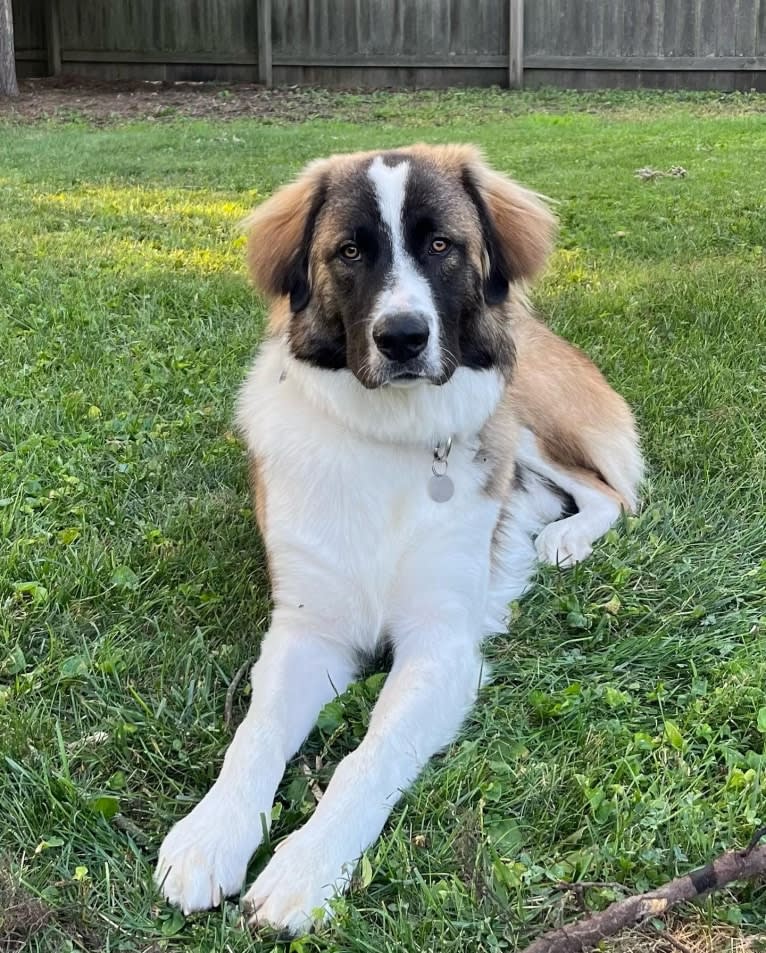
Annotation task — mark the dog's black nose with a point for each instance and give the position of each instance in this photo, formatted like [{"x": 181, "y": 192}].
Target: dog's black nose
[{"x": 402, "y": 336}]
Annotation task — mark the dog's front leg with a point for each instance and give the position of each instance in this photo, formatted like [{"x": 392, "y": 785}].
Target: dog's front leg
[
  {"x": 204, "y": 857},
  {"x": 430, "y": 689}
]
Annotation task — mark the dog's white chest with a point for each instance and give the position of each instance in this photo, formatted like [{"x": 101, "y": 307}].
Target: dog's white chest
[{"x": 353, "y": 521}]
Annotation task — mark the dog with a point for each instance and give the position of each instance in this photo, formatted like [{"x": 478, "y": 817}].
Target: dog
[{"x": 417, "y": 441}]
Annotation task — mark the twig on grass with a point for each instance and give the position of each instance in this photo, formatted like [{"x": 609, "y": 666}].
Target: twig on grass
[
  {"x": 313, "y": 784},
  {"x": 587, "y": 933},
  {"x": 233, "y": 686},
  {"x": 129, "y": 827},
  {"x": 758, "y": 835},
  {"x": 648, "y": 174},
  {"x": 578, "y": 888},
  {"x": 675, "y": 943}
]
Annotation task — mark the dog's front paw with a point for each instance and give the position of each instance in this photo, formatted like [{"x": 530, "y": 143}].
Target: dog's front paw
[
  {"x": 295, "y": 889},
  {"x": 204, "y": 857},
  {"x": 564, "y": 542}
]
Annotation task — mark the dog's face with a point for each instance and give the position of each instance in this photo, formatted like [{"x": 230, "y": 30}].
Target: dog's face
[{"x": 397, "y": 265}]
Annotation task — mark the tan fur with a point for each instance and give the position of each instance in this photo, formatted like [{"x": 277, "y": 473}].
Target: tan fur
[
  {"x": 590, "y": 479},
  {"x": 518, "y": 212},
  {"x": 279, "y": 315},
  {"x": 580, "y": 422},
  {"x": 275, "y": 229},
  {"x": 498, "y": 448},
  {"x": 258, "y": 493},
  {"x": 582, "y": 425},
  {"x": 497, "y": 440}
]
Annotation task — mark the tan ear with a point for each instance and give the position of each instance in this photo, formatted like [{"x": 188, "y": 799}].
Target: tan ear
[
  {"x": 279, "y": 234},
  {"x": 524, "y": 227}
]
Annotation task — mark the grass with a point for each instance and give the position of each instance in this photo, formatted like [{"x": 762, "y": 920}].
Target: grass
[{"x": 623, "y": 738}]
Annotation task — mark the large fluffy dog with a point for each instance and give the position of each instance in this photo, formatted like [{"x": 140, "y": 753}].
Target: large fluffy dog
[{"x": 416, "y": 440}]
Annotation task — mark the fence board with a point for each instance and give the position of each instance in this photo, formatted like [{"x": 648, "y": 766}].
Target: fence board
[
  {"x": 515, "y": 43},
  {"x": 29, "y": 26},
  {"x": 265, "y": 59},
  {"x": 727, "y": 28},
  {"x": 744, "y": 38},
  {"x": 53, "y": 37},
  {"x": 392, "y": 28},
  {"x": 760, "y": 33}
]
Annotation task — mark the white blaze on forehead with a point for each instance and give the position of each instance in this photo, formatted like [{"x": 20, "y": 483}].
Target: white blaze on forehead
[
  {"x": 406, "y": 289},
  {"x": 390, "y": 183}
]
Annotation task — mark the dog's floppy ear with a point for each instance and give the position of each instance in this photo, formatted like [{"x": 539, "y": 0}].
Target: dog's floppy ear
[
  {"x": 517, "y": 225},
  {"x": 279, "y": 238}
]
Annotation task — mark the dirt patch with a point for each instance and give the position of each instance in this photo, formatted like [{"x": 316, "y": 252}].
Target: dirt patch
[
  {"x": 102, "y": 103},
  {"x": 25, "y": 918},
  {"x": 688, "y": 937},
  {"x": 22, "y": 918},
  {"x": 114, "y": 102}
]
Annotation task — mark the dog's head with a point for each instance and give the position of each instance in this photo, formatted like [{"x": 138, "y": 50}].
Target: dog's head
[{"x": 398, "y": 265}]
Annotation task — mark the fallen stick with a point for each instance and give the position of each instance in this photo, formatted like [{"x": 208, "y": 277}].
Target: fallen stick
[
  {"x": 313, "y": 785},
  {"x": 233, "y": 686},
  {"x": 585, "y": 934}
]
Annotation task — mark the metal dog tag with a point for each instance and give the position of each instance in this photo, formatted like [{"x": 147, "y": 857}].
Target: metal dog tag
[{"x": 440, "y": 488}]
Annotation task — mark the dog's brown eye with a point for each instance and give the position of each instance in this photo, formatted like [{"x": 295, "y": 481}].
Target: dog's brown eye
[
  {"x": 439, "y": 246},
  {"x": 350, "y": 251}
]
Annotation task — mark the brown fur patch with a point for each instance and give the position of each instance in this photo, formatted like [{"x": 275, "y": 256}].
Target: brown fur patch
[
  {"x": 580, "y": 422},
  {"x": 497, "y": 447},
  {"x": 279, "y": 316},
  {"x": 276, "y": 229},
  {"x": 525, "y": 225},
  {"x": 257, "y": 493}
]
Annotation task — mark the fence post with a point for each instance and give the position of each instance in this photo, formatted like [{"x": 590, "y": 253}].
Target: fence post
[
  {"x": 516, "y": 44},
  {"x": 264, "y": 42},
  {"x": 53, "y": 37}
]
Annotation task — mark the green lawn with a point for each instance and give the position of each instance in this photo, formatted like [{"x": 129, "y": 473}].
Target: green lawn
[{"x": 623, "y": 737}]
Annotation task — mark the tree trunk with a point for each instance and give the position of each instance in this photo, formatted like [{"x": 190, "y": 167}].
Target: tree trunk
[{"x": 8, "y": 85}]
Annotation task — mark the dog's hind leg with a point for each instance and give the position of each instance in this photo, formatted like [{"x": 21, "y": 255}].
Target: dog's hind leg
[
  {"x": 570, "y": 538},
  {"x": 579, "y": 421},
  {"x": 577, "y": 434}
]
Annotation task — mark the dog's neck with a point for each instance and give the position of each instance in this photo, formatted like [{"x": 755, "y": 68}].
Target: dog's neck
[{"x": 420, "y": 415}]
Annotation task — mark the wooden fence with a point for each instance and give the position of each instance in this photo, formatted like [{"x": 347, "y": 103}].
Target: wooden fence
[{"x": 577, "y": 43}]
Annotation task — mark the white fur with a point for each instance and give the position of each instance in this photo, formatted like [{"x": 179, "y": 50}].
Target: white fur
[
  {"x": 418, "y": 415},
  {"x": 526, "y": 513},
  {"x": 357, "y": 549},
  {"x": 405, "y": 289}
]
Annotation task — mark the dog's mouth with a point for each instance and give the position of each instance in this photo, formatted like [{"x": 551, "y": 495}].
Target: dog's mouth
[
  {"x": 411, "y": 377},
  {"x": 404, "y": 376}
]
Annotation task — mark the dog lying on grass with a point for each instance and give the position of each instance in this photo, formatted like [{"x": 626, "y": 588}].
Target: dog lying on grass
[{"x": 417, "y": 440}]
